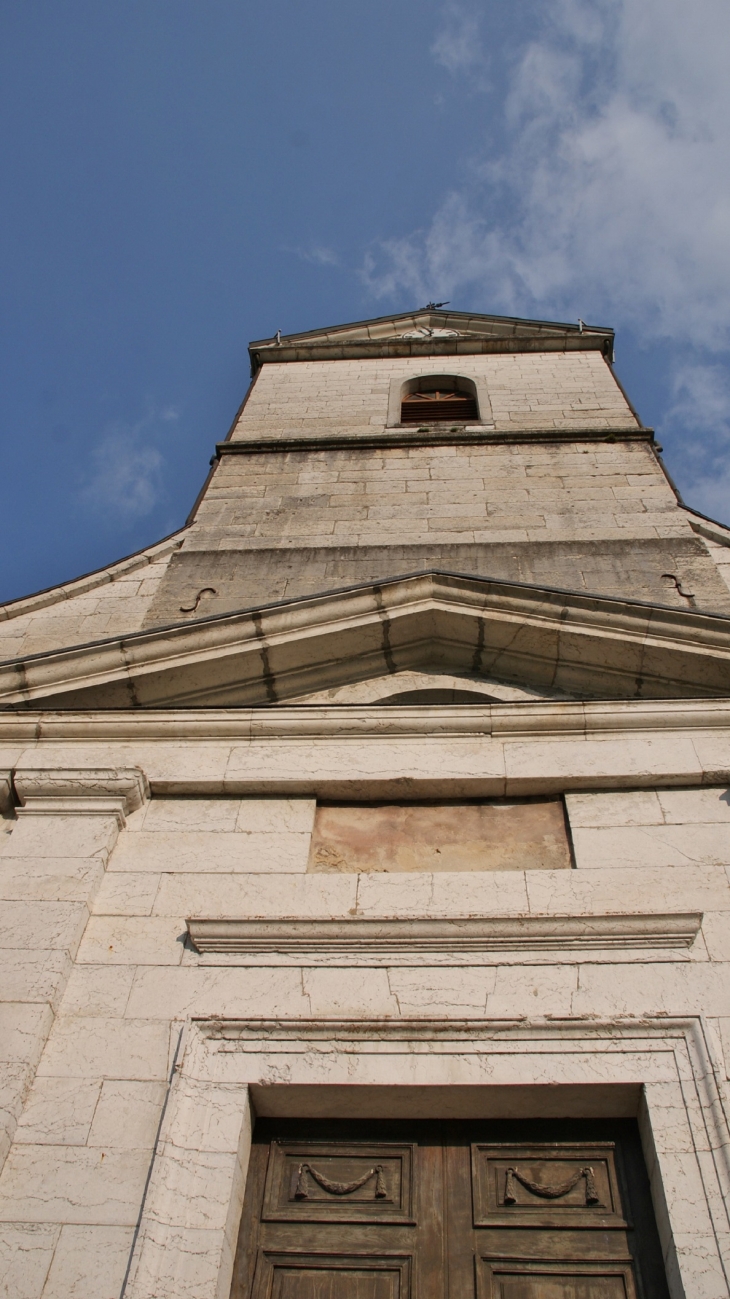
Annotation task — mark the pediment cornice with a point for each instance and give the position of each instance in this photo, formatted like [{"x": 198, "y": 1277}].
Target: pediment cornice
[
  {"x": 431, "y": 332},
  {"x": 586, "y": 647}
]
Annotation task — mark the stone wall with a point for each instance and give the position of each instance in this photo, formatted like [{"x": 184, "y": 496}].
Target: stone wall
[
  {"x": 548, "y": 390},
  {"x": 107, "y": 603},
  {"x": 444, "y": 494},
  {"x": 276, "y": 525},
  {"x": 97, "y": 933}
]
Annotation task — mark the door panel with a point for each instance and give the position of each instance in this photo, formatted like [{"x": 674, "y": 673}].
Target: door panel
[
  {"x": 509, "y": 1280},
  {"x": 321, "y": 1276},
  {"x": 316, "y": 1181},
  {"x": 547, "y": 1185},
  {"x": 477, "y": 1210}
]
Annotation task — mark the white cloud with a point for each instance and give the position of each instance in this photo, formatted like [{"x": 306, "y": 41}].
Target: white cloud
[
  {"x": 457, "y": 46},
  {"x": 699, "y": 422},
  {"x": 125, "y": 480},
  {"x": 701, "y": 399},
  {"x": 323, "y": 256},
  {"x": 709, "y": 492},
  {"x": 318, "y": 254},
  {"x": 602, "y": 191},
  {"x": 611, "y": 190}
]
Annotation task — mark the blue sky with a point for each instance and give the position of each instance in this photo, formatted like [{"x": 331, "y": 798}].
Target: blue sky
[{"x": 182, "y": 177}]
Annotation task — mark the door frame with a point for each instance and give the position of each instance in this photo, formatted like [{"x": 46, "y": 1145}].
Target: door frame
[{"x": 663, "y": 1071}]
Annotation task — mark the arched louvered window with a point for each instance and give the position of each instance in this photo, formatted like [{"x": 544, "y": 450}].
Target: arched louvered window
[{"x": 442, "y": 398}]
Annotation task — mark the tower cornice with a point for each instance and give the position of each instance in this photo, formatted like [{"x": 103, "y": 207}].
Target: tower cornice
[{"x": 430, "y": 333}]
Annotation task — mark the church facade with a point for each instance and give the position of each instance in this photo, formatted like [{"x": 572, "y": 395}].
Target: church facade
[{"x": 365, "y": 853}]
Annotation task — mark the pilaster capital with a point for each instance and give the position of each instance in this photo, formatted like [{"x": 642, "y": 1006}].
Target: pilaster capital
[{"x": 81, "y": 791}]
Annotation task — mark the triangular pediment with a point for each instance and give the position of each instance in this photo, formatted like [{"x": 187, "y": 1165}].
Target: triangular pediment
[
  {"x": 548, "y": 643},
  {"x": 431, "y": 328}
]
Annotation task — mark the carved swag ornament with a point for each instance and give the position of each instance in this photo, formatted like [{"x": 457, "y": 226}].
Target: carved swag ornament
[
  {"x": 550, "y": 1190},
  {"x": 339, "y": 1188}
]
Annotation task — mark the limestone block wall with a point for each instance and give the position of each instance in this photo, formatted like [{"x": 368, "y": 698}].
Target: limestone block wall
[
  {"x": 720, "y": 552},
  {"x": 531, "y": 390},
  {"x": 448, "y": 494},
  {"x": 51, "y": 864},
  {"x": 313, "y": 521},
  {"x": 107, "y": 603},
  {"x": 110, "y": 980}
]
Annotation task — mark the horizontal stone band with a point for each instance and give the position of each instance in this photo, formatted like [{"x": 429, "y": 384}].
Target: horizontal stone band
[{"x": 444, "y": 935}]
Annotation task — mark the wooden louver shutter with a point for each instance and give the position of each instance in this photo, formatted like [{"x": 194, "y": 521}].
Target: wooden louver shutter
[{"x": 425, "y": 407}]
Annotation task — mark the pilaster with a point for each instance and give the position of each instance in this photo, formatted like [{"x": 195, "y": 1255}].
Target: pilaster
[{"x": 51, "y": 864}]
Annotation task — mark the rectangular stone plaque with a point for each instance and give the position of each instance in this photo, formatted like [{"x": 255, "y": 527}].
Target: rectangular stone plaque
[{"x": 529, "y": 834}]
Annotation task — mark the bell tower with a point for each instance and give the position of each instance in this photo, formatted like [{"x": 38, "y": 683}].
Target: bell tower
[{"x": 478, "y": 445}]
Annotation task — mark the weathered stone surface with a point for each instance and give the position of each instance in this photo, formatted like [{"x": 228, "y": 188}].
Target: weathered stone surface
[
  {"x": 196, "y": 851},
  {"x": 61, "y": 836},
  {"x": 23, "y": 1031},
  {"x": 89, "y": 1262},
  {"x": 106, "y": 1048},
  {"x": 132, "y": 940},
  {"x": 619, "y": 567},
  {"x": 101, "y": 991},
  {"x": 165, "y": 994},
  {"x": 58, "y": 1112},
  {"x": 72, "y": 1185},
  {"x": 440, "y": 837},
  {"x": 127, "y": 1115},
  {"x": 140, "y": 1085},
  {"x": 61, "y": 924},
  {"x": 49, "y": 879},
  {"x": 26, "y": 1251},
  {"x": 34, "y": 975}
]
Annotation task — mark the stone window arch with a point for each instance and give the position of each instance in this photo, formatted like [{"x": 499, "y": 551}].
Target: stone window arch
[{"x": 450, "y": 399}]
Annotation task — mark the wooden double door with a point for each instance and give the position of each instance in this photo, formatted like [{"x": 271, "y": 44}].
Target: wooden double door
[{"x": 452, "y": 1210}]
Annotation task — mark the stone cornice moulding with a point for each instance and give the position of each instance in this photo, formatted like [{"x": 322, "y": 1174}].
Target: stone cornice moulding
[
  {"x": 482, "y": 435},
  {"x": 376, "y": 348},
  {"x": 410, "y": 936},
  {"x": 470, "y": 1033},
  {"x": 543, "y": 638},
  {"x": 519, "y": 719},
  {"x": 464, "y": 324},
  {"x": 81, "y": 791}
]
